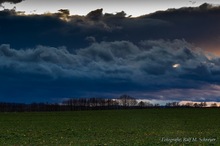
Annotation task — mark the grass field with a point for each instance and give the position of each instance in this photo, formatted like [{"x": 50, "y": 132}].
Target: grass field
[{"x": 112, "y": 127}]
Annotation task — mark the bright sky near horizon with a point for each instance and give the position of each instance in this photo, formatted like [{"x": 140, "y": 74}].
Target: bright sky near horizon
[{"x": 83, "y": 7}]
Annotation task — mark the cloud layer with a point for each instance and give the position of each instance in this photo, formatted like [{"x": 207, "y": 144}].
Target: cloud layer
[
  {"x": 155, "y": 56},
  {"x": 10, "y": 1},
  {"x": 108, "y": 67},
  {"x": 198, "y": 25}
]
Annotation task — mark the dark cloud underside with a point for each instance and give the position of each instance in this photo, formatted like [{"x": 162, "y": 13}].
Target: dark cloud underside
[
  {"x": 57, "y": 55},
  {"x": 10, "y": 1},
  {"x": 106, "y": 67},
  {"x": 195, "y": 25}
]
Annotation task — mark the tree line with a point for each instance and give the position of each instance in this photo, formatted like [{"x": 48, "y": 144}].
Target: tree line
[{"x": 94, "y": 103}]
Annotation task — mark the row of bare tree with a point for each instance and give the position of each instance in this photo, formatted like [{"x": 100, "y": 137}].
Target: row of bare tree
[
  {"x": 190, "y": 104},
  {"x": 123, "y": 102}
]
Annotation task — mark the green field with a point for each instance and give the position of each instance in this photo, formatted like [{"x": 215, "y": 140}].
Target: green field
[{"x": 112, "y": 127}]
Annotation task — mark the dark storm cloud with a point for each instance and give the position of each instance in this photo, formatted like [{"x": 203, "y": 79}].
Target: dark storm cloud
[
  {"x": 198, "y": 25},
  {"x": 108, "y": 53},
  {"x": 95, "y": 15},
  {"x": 10, "y": 1},
  {"x": 107, "y": 67}
]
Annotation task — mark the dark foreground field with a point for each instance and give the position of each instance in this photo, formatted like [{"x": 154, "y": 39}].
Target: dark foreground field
[{"x": 112, "y": 127}]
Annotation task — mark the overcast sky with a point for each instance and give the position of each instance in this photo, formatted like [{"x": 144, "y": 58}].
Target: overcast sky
[
  {"x": 167, "y": 55},
  {"x": 82, "y": 7}
]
